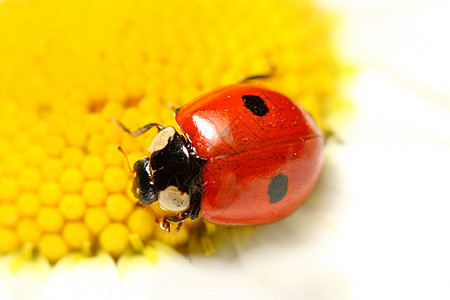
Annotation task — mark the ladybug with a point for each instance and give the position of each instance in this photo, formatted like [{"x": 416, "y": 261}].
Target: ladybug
[{"x": 246, "y": 155}]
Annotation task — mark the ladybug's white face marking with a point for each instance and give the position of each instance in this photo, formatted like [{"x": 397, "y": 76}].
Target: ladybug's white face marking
[
  {"x": 161, "y": 139},
  {"x": 173, "y": 199}
]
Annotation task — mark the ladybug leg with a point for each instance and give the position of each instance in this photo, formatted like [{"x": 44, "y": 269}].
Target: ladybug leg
[
  {"x": 165, "y": 225},
  {"x": 174, "y": 218},
  {"x": 195, "y": 204},
  {"x": 140, "y": 130},
  {"x": 167, "y": 219},
  {"x": 195, "y": 190},
  {"x": 175, "y": 110},
  {"x": 195, "y": 212},
  {"x": 260, "y": 76}
]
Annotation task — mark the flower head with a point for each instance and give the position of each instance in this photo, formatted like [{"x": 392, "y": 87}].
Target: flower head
[{"x": 67, "y": 68}]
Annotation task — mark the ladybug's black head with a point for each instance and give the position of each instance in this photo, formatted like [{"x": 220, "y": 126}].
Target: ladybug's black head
[
  {"x": 170, "y": 174},
  {"x": 143, "y": 185}
]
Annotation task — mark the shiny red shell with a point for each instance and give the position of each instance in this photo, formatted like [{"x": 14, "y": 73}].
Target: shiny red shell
[{"x": 260, "y": 167}]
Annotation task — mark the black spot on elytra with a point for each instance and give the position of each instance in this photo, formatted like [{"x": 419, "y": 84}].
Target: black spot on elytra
[
  {"x": 255, "y": 104},
  {"x": 277, "y": 188}
]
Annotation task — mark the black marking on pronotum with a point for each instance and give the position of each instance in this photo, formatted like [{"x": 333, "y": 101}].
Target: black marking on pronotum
[
  {"x": 255, "y": 104},
  {"x": 278, "y": 188}
]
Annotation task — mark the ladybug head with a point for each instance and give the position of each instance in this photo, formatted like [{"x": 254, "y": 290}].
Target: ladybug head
[{"x": 167, "y": 174}]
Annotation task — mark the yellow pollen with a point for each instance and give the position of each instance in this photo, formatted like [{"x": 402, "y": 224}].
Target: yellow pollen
[
  {"x": 49, "y": 193},
  {"x": 115, "y": 179},
  {"x": 113, "y": 157},
  {"x": 53, "y": 247},
  {"x": 51, "y": 169},
  {"x": 35, "y": 155},
  {"x": 114, "y": 238},
  {"x": 76, "y": 234},
  {"x": 72, "y": 157},
  {"x": 29, "y": 231},
  {"x": 175, "y": 238},
  {"x": 96, "y": 219},
  {"x": 118, "y": 207},
  {"x": 55, "y": 145},
  {"x": 14, "y": 163},
  {"x": 75, "y": 135},
  {"x": 10, "y": 241},
  {"x": 141, "y": 222},
  {"x": 8, "y": 214},
  {"x": 72, "y": 206},
  {"x": 50, "y": 219},
  {"x": 9, "y": 188},
  {"x": 30, "y": 179},
  {"x": 71, "y": 180},
  {"x": 28, "y": 204},
  {"x": 94, "y": 192},
  {"x": 93, "y": 167},
  {"x": 96, "y": 144}
]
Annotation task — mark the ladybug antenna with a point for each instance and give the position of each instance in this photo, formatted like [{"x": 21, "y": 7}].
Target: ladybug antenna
[
  {"x": 266, "y": 75},
  {"x": 126, "y": 158}
]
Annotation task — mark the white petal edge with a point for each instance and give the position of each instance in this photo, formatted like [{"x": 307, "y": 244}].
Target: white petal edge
[
  {"x": 173, "y": 275},
  {"x": 80, "y": 277},
  {"x": 22, "y": 278}
]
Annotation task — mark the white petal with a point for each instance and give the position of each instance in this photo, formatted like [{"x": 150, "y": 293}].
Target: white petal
[
  {"x": 4, "y": 293},
  {"x": 144, "y": 279},
  {"x": 174, "y": 275},
  {"x": 76, "y": 277},
  {"x": 21, "y": 278}
]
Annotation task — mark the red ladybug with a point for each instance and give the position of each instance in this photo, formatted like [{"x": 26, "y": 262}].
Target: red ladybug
[{"x": 247, "y": 156}]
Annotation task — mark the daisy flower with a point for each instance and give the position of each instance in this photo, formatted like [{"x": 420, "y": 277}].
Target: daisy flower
[{"x": 69, "y": 226}]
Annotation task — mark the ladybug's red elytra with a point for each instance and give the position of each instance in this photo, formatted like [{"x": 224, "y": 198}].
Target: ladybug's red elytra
[{"x": 246, "y": 156}]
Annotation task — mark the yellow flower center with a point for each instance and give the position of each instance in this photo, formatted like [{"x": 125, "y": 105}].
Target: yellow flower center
[{"x": 67, "y": 68}]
